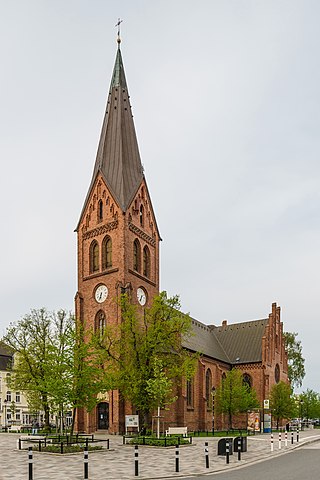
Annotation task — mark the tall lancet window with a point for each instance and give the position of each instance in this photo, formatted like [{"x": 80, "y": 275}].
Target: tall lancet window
[
  {"x": 106, "y": 253},
  {"x": 136, "y": 255},
  {"x": 141, "y": 216},
  {"x": 146, "y": 262},
  {"x": 94, "y": 257}
]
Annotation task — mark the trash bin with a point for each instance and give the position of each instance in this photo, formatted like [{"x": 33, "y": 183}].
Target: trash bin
[
  {"x": 243, "y": 444},
  {"x": 222, "y": 446}
]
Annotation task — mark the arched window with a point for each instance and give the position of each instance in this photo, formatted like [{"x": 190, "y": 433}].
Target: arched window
[
  {"x": 94, "y": 257},
  {"x": 277, "y": 373},
  {"x": 208, "y": 387},
  {"x": 100, "y": 211},
  {"x": 141, "y": 215},
  {"x": 247, "y": 380},
  {"x": 106, "y": 253},
  {"x": 136, "y": 255},
  {"x": 100, "y": 323},
  {"x": 190, "y": 393},
  {"x": 146, "y": 262}
]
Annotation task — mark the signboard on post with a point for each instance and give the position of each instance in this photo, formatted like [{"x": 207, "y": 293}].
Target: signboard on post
[
  {"x": 132, "y": 421},
  {"x": 266, "y": 404}
]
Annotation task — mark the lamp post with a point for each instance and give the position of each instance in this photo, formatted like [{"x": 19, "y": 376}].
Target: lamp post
[
  {"x": 213, "y": 392},
  {"x": 5, "y": 414}
]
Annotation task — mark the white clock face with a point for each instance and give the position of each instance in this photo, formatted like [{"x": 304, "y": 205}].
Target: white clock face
[
  {"x": 101, "y": 293},
  {"x": 141, "y": 296}
]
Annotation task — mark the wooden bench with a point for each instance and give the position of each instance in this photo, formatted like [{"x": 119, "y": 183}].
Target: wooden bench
[{"x": 177, "y": 431}]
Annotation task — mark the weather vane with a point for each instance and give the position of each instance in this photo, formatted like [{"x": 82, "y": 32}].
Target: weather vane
[{"x": 118, "y": 25}]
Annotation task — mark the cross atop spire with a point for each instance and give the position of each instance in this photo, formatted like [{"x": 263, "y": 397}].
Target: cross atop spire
[{"x": 118, "y": 25}]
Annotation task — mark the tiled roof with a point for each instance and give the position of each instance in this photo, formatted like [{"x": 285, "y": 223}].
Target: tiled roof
[{"x": 233, "y": 344}]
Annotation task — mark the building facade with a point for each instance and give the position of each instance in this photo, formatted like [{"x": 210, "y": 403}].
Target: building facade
[{"x": 118, "y": 251}]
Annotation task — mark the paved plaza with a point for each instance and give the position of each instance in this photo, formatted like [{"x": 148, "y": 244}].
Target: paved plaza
[{"x": 118, "y": 462}]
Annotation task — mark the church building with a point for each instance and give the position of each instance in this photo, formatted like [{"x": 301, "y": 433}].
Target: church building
[{"x": 118, "y": 252}]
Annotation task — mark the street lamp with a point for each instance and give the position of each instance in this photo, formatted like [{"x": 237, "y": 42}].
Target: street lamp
[
  {"x": 213, "y": 392},
  {"x": 5, "y": 414}
]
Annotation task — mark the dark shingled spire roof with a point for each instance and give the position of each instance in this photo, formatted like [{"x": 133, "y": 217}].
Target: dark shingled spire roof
[{"x": 118, "y": 158}]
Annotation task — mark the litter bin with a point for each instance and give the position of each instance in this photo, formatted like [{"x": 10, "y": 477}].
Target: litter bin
[
  {"x": 222, "y": 446},
  {"x": 243, "y": 444}
]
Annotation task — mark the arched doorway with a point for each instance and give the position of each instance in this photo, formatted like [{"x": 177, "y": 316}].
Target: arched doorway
[{"x": 103, "y": 416}]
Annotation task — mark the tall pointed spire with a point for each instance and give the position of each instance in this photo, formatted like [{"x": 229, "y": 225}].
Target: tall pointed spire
[{"x": 118, "y": 158}]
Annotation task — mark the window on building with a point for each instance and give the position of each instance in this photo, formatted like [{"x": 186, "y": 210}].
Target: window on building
[
  {"x": 136, "y": 255},
  {"x": 208, "y": 387},
  {"x": 277, "y": 373},
  {"x": 18, "y": 399},
  {"x": 190, "y": 393},
  {"x": 8, "y": 396},
  {"x": 100, "y": 211},
  {"x": 18, "y": 415},
  {"x": 100, "y": 323},
  {"x": 94, "y": 257},
  {"x": 141, "y": 215},
  {"x": 106, "y": 253},
  {"x": 146, "y": 262},
  {"x": 247, "y": 380}
]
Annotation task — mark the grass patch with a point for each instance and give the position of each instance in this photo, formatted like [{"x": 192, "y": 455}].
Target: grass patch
[
  {"x": 159, "y": 442},
  {"x": 66, "y": 448}
]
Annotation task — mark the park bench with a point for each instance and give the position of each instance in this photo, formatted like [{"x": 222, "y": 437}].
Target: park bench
[{"x": 177, "y": 431}]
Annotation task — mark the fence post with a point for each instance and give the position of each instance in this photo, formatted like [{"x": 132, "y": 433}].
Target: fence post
[
  {"x": 239, "y": 448},
  {"x": 86, "y": 462},
  {"x": 30, "y": 461},
  {"x": 136, "y": 461},
  {"x": 177, "y": 458},
  {"x": 227, "y": 452},
  {"x": 206, "y": 451},
  {"x": 271, "y": 442},
  {"x": 279, "y": 440},
  {"x": 61, "y": 448},
  {"x": 108, "y": 443}
]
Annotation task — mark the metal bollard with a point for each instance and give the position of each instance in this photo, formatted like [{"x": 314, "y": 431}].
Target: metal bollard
[
  {"x": 177, "y": 458},
  {"x": 239, "y": 448},
  {"x": 30, "y": 461},
  {"x": 227, "y": 452},
  {"x": 86, "y": 463},
  {"x": 271, "y": 442},
  {"x": 292, "y": 438},
  {"x": 297, "y": 434},
  {"x": 286, "y": 439},
  {"x": 279, "y": 440},
  {"x": 206, "y": 452},
  {"x": 136, "y": 461}
]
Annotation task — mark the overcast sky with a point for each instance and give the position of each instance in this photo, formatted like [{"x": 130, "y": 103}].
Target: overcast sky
[{"x": 225, "y": 96}]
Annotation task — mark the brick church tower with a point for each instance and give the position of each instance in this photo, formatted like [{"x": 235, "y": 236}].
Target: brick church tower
[{"x": 118, "y": 237}]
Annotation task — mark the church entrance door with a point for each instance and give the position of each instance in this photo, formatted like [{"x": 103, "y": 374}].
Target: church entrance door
[{"x": 103, "y": 415}]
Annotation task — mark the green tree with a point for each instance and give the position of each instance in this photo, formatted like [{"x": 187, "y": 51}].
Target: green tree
[
  {"x": 53, "y": 365},
  {"x": 296, "y": 369},
  {"x": 309, "y": 402},
  {"x": 148, "y": 354},
  {"x": 234, "y": 396},
  {"x": 281, "y": 402}
]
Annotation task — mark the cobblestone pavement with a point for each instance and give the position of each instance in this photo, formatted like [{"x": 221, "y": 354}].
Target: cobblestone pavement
[{"x": 118, "y": 462}]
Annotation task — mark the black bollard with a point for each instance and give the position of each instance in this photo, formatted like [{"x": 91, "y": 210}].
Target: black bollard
[
  {"x": 177, "y": 458},
  {"x": 86, "y": 463},
  {"x": 136, "y": 461},
  {"x": 297, "y": 434},
  {"x": 206, "y": 451},
  {"x": 239, "y": 448},
  {"x": 227, "y": 452},
  {"x": 292, "y": 438},
  {"x": 30, "y": 461}
]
